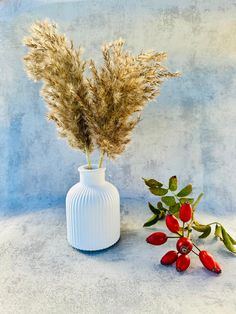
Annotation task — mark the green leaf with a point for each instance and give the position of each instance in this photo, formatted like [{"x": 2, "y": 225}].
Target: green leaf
[
  {"x": 154, "y": 209},
  {"x": 206, "y": 232},
  {"x": 231, "y": 239},
  {"x": 151, "y": 221},
  {"x": 218, "y": 232},
  {"x": 158, "y": 191},
  {"x": 173, "y": 183},
  {"x": 195, "y": 204},
  {"x": 176, "y": 214},
  {"x": 174, "y": 209},
  {"x": 185, "y": 191},
  {"x": 159, "y": 205},
  {"x": 186, "y": 200},
  {"x": 162, "y": 215},
  {"x": 199, "y": 227},
  {"x": 152, "y": 183},
  {"x": 227, "y": 242},
  {"x": 168, "y": 200}
]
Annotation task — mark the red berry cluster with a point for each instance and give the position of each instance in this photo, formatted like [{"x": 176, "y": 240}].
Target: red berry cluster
[{"x": 184, "y": 245}]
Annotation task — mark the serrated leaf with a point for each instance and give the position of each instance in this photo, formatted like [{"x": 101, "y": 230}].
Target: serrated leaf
[
  {"x": 173, "y": 183},
  {"x": 158, "y": 191},
  {"x": 205, "y": 233},
  {"x": 186, "y": 200},
  {"x": 151, "y": 221},
  {"x": 199, "y": 227},
  {"x": 195, "y": 204},
  {"x": 185, "y": 191},
  {"x": 218, "y": 232},
  {"x": 227, "y": 242},
  {"x": 168, "y": 200},
  {"x": 152, "y": 183},
  {"x": 174, "y": 209},
  {"x": 154, "y": 209}
]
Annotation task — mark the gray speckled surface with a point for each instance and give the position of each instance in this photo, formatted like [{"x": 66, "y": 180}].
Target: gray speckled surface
[{"x": 41, "y": 273}]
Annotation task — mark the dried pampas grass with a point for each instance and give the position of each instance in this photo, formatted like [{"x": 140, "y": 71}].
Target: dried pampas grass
[{"x": 100, "y": 110}]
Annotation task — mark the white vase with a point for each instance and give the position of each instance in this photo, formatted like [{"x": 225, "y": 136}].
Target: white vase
[{"x": 92, "y": 211}]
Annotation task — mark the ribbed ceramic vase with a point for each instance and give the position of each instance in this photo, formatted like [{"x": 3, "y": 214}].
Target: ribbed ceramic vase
[{"x": 92, "y": 211}]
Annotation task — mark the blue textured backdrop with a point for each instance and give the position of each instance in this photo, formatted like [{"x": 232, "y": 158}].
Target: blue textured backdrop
[{"x": 190, "y": 131}]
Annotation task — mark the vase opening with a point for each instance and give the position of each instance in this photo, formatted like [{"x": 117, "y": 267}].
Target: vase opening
[
  {"x": 94, "y": 167},
  {"x": 93, "y": 176}
]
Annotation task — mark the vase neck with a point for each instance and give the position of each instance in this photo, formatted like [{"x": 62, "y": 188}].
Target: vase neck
[{"x": 92, "y": 177}]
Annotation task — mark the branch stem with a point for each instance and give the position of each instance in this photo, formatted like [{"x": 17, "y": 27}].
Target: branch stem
[
  {"x": 214, "y": 223},
  {"x": 196, "y": 246},
  {"x": 101, "y": 160},
  {"x": 175, "y": 195},
  {"x": 88, "y": 159},
  {"x": 195, "y": 253}
]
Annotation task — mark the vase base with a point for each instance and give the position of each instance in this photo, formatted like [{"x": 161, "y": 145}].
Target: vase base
[{"x": 87, "y": 250}]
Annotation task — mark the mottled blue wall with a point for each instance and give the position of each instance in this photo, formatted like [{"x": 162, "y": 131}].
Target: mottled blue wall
[{"x": 190, "y": 131}]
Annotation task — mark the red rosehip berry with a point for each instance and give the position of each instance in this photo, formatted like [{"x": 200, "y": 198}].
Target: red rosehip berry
[
  {"x": 157, "y": 238},
  {"x": 184, "y": 245},
  {"x": 182, "y": 263},
  {"x": 169, "y": 258},
  {"x": 209, "y": 262},
  {"x": 172, "y": 223},
  {"x": 217, "y": 268},
  {"x": 185, "y": 212}
]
